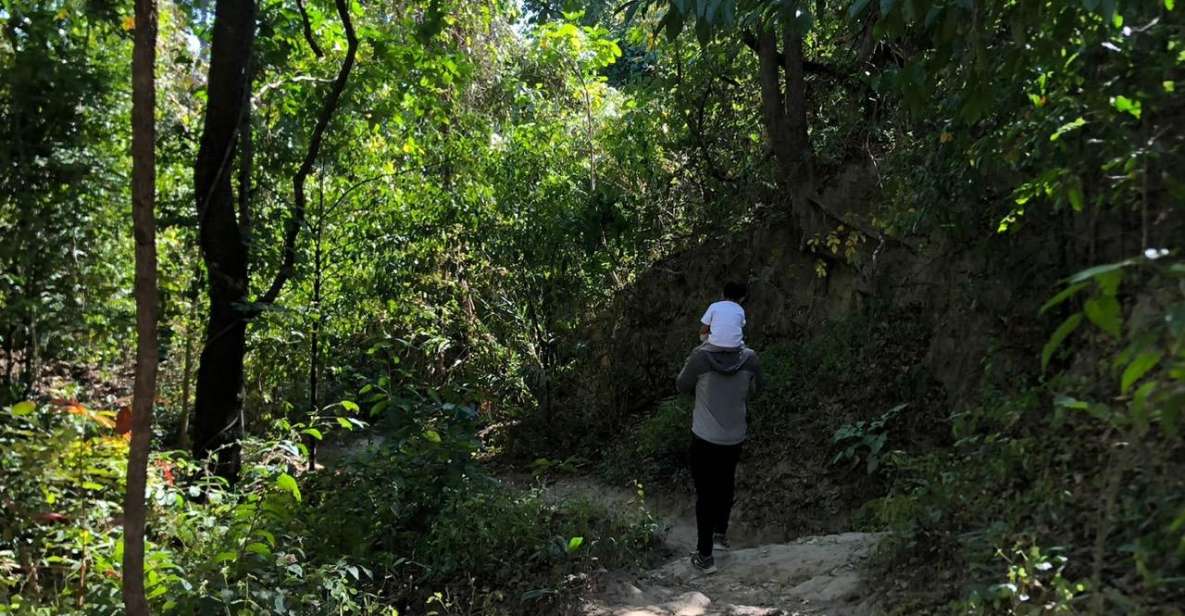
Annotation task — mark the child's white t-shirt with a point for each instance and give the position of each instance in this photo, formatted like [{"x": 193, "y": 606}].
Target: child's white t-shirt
[{"x": 725, "y": 321}]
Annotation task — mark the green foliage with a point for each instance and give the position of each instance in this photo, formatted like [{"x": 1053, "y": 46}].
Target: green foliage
[
  {"x": 488, "y": 188},
  {"x": 65, "y": 263},
  {"x": 1053, "y": 101},
  {"x": 665, "y": 434},
  {"x": 277, "y": 544},
  {"x": 1089, "y": 461},
  {"x": 864, "y": 440},
  {"x": 521, "y": 544},
  {"x": 1035, "y": 586},
  {"x": 210, "y": 549}
]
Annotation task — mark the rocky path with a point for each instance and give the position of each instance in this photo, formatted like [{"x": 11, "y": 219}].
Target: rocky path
[
  {"x": 821, "y": 575},
  {"x": 815, "y": 575},
  {"x": 810, "y": 576}
]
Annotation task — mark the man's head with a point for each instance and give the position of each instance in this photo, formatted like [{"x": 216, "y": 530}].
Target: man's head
[{"x": 735, "y": 291}]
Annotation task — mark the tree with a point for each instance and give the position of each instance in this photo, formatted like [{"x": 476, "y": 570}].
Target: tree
[
  {"x": 782, "y": 79},
  {"x": 144, "y": 224},
  {"x": 223, "y": 231},
  {"x": 62, "y": 64},
  {"x": 217, "y": 407}
]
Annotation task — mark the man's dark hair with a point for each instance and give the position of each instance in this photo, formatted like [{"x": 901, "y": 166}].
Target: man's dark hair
[{"x": 735, "y": 291}]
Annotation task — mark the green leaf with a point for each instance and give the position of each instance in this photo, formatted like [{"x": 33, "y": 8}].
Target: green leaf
[
  {"x": 1066, "y": 402},
  {"x": 1169, "y": 4},
  {"x": 432, "y": 435},
  {"x": 1104, "y": 312},
  {"x": 20, "y": 409},
  {"x": 433, "y": 21},
  {"x": 259, "y": 548},
  {"x": 345, "y": 423},
  {"x": 1138, "y": 368},
  {"x": 267, "y": 536},
  {"x": 1139, "y": 405},
  {"x": 1089, "y": 273},
  {"x": 1065, "y": 329},
  {"x": 313, "y": 432},
  {"x": 227, "y": 556},
  {"x": 574, "y": 544},
  {"x": 1067, "y": 127},
  {"x": 287, "y": 483},
  {"x": 350, "y": 406},
  {"x": 1077, "y": 201},
  {"x": 1109, "y": 282},
  {"x": 1124, "y": 104},
  {"x": 1062, "y": 296}
]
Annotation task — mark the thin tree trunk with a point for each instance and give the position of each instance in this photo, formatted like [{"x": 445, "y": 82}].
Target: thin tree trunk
[
  {"x": 9, "y": 360},
  {"x": 315, "y": 338},
  {"x": 183, "y": 440},
  {"x": 144, "y": 392}
]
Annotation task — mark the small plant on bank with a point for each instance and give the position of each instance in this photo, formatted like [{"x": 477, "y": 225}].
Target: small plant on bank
[{"x": 864, "y": 440}]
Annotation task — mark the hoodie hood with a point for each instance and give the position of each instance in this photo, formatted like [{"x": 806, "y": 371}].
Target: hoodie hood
[{"x": 725, "y": 360}]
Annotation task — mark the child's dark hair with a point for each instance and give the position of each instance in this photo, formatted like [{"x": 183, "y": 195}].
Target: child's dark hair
[{"x": 735, "y": 291}]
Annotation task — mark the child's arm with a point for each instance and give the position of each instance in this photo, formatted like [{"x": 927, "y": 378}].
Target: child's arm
[{"x": 704, "y": 330}]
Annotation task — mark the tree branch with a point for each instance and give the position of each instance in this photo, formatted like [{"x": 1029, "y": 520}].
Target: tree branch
[
  {"x": 292, "y": 229},
  {"x": 308, "y": 30},
  {"x": 814, "y": 68}
]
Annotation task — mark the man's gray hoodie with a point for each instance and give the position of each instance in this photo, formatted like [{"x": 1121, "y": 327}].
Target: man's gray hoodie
[{"x": 722, "y": 380}]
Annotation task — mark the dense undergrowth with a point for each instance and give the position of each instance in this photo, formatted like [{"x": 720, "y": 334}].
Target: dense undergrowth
[
  {"x": 1066, "y": 495},
  {"x": 1054, "y": 492},
  {"x": 412, "y": 525}
]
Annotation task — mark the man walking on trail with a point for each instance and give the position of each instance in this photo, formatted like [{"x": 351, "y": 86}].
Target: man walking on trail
[{"x": 722, "y": 380}]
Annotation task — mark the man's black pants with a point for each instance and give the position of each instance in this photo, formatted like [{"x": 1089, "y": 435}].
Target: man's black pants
[{"x": 713, "y": 468}]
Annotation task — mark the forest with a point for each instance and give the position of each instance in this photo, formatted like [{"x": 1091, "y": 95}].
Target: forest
[{"x": 376, "y": 306}]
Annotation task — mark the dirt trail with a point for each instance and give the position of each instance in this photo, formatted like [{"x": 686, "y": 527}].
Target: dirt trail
[
  {"x": 809, "y": 576},
  {"x": 820, "y": 575}
]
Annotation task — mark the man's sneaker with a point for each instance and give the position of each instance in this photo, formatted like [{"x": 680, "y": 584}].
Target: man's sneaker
[
  {"x": 703, "y": 564},
  {"x": 720, "y": 542}
]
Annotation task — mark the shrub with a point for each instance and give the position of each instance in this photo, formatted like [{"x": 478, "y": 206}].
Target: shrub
[
  {"x": 665, "y": 434},
  {"x": 409, "y": 521},
  {"x": 1089, "y": 461}
]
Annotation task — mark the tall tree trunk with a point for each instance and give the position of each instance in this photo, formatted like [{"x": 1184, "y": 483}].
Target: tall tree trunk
[
  {"x": 773, "y": 111},
  {"x": 218, "y": 403},
  {"x": 799, "y": 148},
  {"x": 783, "y": 112},
  {"x": 144, "y": 223},
  {"x": 798, "y": 168}
]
